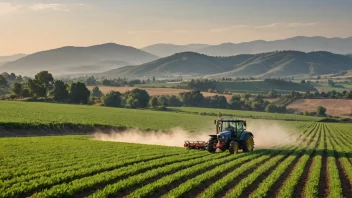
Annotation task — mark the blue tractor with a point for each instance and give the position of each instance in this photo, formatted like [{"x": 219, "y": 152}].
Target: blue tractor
[{"x": 230, "y": 135}]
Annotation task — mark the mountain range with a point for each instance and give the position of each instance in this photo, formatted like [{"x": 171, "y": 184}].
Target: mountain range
[
  {"x": 66, "y": 58},
  {"x": 300, "y": 43},
  {"x": 270, "y": 64},
  {"x": 256, "y": 58}
]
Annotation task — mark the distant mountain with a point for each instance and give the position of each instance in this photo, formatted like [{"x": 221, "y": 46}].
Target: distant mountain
[
  {"x": 278, "y": 64},
  {"x": 163, "y": 50},
  {"x": 288, "y": 63},
  {"x": 100, "y": 66},
  {"x": 56, "y": 59},
  {"x": 11, "y": 57},
  {"x": 299, "y": 43},
  {"x": 6, "y": 59}
]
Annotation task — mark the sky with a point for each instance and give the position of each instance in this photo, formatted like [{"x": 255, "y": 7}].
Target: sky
[{"x": 28, "y": 26}]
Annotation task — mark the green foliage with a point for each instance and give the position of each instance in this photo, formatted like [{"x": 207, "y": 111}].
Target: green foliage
[
  {"x": 79, "y": 93},
  {"x": 192, "y": 98},
  {"x": 163, "y": 101},
  {"x": 60, "y": 91},
  {"x": 153, "y": 102},
  {"x": 25, "y": 93},
  {"x": 321, "y": 111},
  {"x": 96, "y": 92},
  {"x": 36, "y": 88},
  {"x": 273, "y": 108},
  {"x": 112, "y": 99},
  {"x": 3, "y": 81},
  {"x": 17, "y": 88},
  {"x": 136, "y": 98},
  {"x": 45, "y": 79}
]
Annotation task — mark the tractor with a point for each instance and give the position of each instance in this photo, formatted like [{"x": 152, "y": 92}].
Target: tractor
[{"x": 230, "y": 135}]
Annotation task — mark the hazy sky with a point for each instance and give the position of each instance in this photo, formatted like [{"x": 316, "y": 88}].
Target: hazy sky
[{"x": 28, "y": 26}]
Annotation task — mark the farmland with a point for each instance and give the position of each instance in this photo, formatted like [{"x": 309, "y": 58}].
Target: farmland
[
  {"x": 317, "y": 165},
  {"x": 335, "y": 107},
  {"x": 154, "y": 91}
]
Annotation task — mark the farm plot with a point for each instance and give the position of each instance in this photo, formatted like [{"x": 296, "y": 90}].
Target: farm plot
[{"x": 318, "y": 164}]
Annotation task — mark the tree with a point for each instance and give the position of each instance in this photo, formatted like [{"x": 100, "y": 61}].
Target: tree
[
  {"x": 45, "y": 79},
  {"x": 163, "y": 101},
  {"x": 60, "y": 91},
  {"x": 192, "y": 98},
  {"x": 303, "y": 82},
  {"x": 153, "y": 102},
  {"x": 321, "y": 111},
  {"x": 174, "y": 101},
  {"x": 3, "y": 82},
  {"x": 17, "y": 88},
  {"x": 136, "y": 98},
  {"x": 153, "y": 78},
  {"x": 12, "y": 77},
  {"x": 112, "y": 99},
  {"x": 306, "y": 113},
  {"x": 25, "y": 93},
  {"x": 96, "y": 92},
  {"x": 79, "y": 93},
  {"x": 35, "y": 88}
]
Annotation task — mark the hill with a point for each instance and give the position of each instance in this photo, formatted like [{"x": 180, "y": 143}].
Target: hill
[
  {"x": 56, "y": 59},
  {"x": 164, "y": 50},
  {"x": 186, "y": 63},
  {"x": 300, "y": 43},
  {"x": 6, "y": 59},
  {"x": 288, "y": 63},
  {"x": 272, "y": 64}
]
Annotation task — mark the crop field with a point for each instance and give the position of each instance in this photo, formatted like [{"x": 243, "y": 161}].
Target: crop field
[
  {"x": 48, "y": 115},
  {"x": 246, "y": 114},
  {"x": 318, "y": 164}
]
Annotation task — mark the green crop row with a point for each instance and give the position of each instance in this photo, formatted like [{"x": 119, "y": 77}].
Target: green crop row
[
  {"x": 20, "y": 188},
  {"x": 69, "y": 189},
  {"x": 111, "y": 190},
  {"x": 268, "y": 182},
  {"x": 196, "y": 181},
  {"x": 334, "y": 182}
]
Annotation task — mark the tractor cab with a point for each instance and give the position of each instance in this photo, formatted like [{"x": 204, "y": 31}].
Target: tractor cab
[{"x": 231, "y": 135}]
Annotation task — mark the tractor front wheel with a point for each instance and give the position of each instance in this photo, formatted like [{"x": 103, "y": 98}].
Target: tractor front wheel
[
  {"x": 210, "y": 146},
  {"x": 248, "y": 143},
  {"x": 233, "y": 148}
]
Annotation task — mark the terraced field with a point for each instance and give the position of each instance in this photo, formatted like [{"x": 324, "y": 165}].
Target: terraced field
[{"x": 319, "y": 164}]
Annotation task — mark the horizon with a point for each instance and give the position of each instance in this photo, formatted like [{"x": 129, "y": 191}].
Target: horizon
[
  {"x": 175, "y": 44},
  {"x": 37, "y": 25}
]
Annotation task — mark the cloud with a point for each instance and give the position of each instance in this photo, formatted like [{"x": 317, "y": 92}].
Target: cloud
[
  {"x": 7, "y": 8},
  {"x": 288, "y": 25},
  {"x": 51, "y": 6},
  {"x": 272, "y": 25}
]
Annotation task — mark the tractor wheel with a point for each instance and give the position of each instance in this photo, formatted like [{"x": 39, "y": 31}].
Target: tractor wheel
[
  {"x": 248, "y": 143},
  {"x": 233, "y": 148},
  {"x": 210, "y": 145}
]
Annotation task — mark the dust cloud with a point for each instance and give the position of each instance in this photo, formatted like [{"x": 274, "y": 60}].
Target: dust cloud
[
  {"x": 175, "y": 137},
  {"x": 266, "y": 135}
]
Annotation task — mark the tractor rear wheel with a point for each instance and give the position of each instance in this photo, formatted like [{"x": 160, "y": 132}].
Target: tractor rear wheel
[
  {"x": 233, "y": 148},
  {"x": 248, "y": 143},
  {"x": 210, "y": 146}
]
